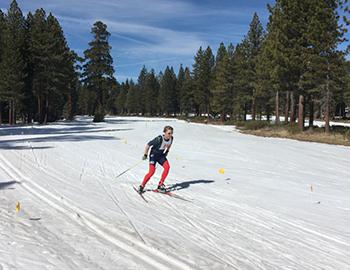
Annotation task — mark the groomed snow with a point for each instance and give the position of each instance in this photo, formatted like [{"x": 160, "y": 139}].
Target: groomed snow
[{"x": 280, "y": 204}]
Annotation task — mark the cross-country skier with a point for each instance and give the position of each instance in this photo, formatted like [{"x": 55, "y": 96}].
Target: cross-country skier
[{"x": 160, "y": 149}]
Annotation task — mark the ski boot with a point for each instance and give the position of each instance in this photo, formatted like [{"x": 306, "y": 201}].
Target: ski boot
[
  {"x": 141, "y": 189},
  {"x": 161, "y": 188}
]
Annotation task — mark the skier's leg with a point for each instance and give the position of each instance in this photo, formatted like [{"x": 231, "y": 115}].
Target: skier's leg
[
  {"x": 148, "y": 176},
  {"x": 165, "y": 173}
]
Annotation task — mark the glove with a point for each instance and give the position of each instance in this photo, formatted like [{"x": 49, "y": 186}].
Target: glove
[{"x": 144, "y": 157}]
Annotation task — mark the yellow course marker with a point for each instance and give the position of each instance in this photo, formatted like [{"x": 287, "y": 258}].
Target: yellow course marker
[
  {"x": 222, "y": 170},
  {"x": 18, "y": 207}
]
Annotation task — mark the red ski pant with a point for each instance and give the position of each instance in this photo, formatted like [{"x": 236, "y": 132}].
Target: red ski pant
[{"x": 152, "y": 169}]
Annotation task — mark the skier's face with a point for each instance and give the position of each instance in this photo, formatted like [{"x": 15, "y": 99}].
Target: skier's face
[{"x": 168, "y": 134}]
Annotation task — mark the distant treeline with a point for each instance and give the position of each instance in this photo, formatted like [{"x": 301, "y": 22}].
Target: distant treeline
[{"x": 294, "y": 68}]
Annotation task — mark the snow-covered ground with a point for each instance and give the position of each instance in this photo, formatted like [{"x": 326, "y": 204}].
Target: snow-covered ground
[{"x": 280, "y": 204}]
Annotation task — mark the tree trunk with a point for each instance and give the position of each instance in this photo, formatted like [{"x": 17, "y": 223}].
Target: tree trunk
[
  {"x": 277, "y": 121},
  {"x": 245, "y": 112},
  {"x": 39, "y": 109},
  {"x": 13, "y": 112},
  {"x": 46, "y": 109},
  {"x": 222, "y": 117},
  {"x": 301, "y": 113},
  {"x": 268, "y": 112},
  {"x": 253, "y": 109},
  {"x": 0, "y": 113},
  {"x": 327, "y": 127},
  {"x": 311, "y": 116},
  {"x": 292, "y": 108},
  {"x": 326, "y": 118},
  {"x": 70, "y": 108},
  {"x": 10, "y": 112},
  {"x": 286, "y": 114}
]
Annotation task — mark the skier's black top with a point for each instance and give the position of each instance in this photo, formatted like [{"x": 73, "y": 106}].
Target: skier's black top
[{"x": 160, "y": 145}]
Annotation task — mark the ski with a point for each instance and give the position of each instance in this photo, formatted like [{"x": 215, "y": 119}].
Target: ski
[{"x": 141, "y": 194}]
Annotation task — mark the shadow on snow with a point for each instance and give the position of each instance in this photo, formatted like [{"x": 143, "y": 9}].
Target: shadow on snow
[
  {"x": 4, "y": 185},
  {"x": 187, "y": 184}
]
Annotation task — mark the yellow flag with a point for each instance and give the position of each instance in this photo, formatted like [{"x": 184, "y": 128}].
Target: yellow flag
[{"x": 222, "y": 170}]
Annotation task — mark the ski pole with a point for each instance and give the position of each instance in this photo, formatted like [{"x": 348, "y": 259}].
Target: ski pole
[{"x": 132, "y": 167}]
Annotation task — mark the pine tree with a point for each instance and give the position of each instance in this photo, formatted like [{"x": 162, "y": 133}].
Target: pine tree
[
  {"x": 254, "y": 41},
  {"x": 111, "y": 98},
  {"x": 151, "y": 91},
  {"x": 98, "y": 70},
  {"x": 62, "y": 80},
  {"x": 265, "y": 85},
  {"x": 132, "y": 102},
  {"x": 347, "y": 84},
  {"x": 39, "y": 60},
  {"x": 187, "y": 96},
  {"x": 242, "y": 86},
  {"x": 180, "y": 88},
  {"x": 323, "y": 76},
  {"x": 202, "y": 75},
  {"x": 221, "y": 86},
  {"x": 121, "y": 103},
  {"x": 2, "y": 37},
  {"x": 167, "y": 92},
  {"x": 141, "y": 90},
  {"x": 13, "y": 63}
]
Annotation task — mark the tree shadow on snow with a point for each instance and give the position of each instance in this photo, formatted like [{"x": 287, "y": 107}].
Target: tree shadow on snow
[
  {"x": 25, "y": 142},
  {"x": 187, "y": 184},
  {"x": 5, "y": 185}
]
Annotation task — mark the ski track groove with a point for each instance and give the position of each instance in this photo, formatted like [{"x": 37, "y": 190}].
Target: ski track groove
[
  {"x": 112, "y": 235},
  {"x": 276, "y": 222},
  {"x": 210, "y": 242},
  {"x": 114, "y": 199}
]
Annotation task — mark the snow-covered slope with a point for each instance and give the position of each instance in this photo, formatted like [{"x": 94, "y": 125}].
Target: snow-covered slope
[{"x": 277, "y": 204}]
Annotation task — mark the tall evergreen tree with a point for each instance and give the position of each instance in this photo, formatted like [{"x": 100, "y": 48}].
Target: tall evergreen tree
[
  {"x": 202, "y": 75},
  {"x": 221, "y": 86},
  {"x": 254, "y": 39},
  {"x": 62, "y": 80},
  {"x": 167, "y": 92},
  {"x": 323, "y": 75},
  {"x": 121, "y": 103},
  {"x": 151, "y": 93},
  {"x": 13, "y": 63},
  {"x": 187, "y": 95},
  {"x": 180, "y": 87},
  {"x": 132, "y": 102},
  {"x": 242, "y": 86},
  {"x": 98, "y": 69},
  {"x": 141, "y": 92},
  {"x": 39, "y": 60},
  {"x": 2, "y": 37}
]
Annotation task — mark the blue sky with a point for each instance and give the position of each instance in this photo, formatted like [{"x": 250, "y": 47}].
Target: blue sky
[{"x": 154, "y": 33}]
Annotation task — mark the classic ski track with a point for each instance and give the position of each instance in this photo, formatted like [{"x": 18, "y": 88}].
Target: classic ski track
[
  {"x": 257, "y": 219},
  {"x": 188, "y": 221},
  {"x": 265, "y": 214},
  {"x": 210, "y": 242},
  {"x": 120, "y": 239}
]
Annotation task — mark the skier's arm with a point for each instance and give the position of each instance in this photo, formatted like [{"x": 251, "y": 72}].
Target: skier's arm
[
  {"x": 168, "y": 149},
  {"x": 147, "y": 149}
]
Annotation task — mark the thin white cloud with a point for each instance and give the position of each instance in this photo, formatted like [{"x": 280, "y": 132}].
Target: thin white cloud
[
  {"x": 153, "y": 61},
  {"x": 145, "y": 39}
]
